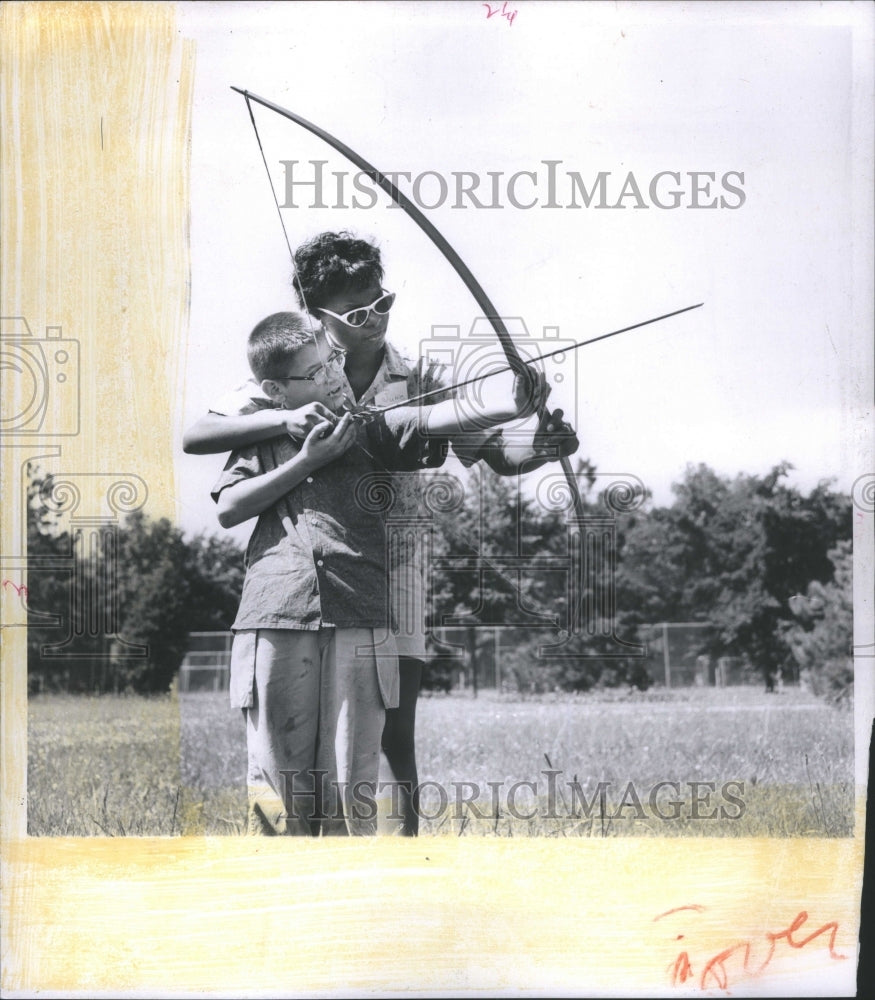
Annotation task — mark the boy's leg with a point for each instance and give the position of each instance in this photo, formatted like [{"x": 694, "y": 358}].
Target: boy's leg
[
  {"x": 399, "y": 748},
  {"x": 281, "y": 731},
  {"x": 352, "y": 716}
]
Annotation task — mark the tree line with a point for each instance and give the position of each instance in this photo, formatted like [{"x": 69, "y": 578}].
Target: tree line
[{"x": 764, "y": 565}]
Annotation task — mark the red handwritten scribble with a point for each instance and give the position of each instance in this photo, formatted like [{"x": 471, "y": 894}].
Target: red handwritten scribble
[
  {"x": 678, "y": 909},
  {"x": 715, "y": 972},
  {"x": 681, "y": 968},
  {"x": 20, "y": 589},
  {"x": 681, "y": 971},
  {"x": 502, "y": 11}
]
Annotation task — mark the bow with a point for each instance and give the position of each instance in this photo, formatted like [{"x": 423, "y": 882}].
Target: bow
[{"x": 514, "y": 359}]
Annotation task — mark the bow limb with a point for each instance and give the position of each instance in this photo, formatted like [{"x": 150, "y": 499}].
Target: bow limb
[
  {"x": 415, "y": 213},
  {"x": 514, "y": 360}
]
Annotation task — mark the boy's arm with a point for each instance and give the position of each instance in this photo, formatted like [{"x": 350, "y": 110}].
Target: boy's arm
[
  {"x": 216, "y": 432},
  {"x": 251, "y": 496}
]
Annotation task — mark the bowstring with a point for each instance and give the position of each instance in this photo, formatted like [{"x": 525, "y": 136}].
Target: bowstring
[{"x": 296, "y": 278}]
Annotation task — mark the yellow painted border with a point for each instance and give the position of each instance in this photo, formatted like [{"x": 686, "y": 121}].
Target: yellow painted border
[
  {"x": 96, "y": 111},
  {"x": 229, "y": 917}
]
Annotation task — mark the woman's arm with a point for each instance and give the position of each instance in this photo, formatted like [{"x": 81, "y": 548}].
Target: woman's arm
[
  {"x": 250, "y": 497},
  {"x": 552, "y": 440},
  {"x": 216, "y": 432},
  {"x": 455, "y": 416}
]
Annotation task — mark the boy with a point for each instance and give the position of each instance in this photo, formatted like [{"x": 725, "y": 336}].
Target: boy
[{"x": 303, "y": 663}]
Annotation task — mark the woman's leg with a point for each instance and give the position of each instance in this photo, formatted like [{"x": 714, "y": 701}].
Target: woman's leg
[{"x": 399, "y": 745}]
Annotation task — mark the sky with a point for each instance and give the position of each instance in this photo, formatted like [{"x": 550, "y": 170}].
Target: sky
[{"x": 777, "y": 364}]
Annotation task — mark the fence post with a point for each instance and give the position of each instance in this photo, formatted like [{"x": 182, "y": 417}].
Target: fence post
[{"x": 666, "y": 658}]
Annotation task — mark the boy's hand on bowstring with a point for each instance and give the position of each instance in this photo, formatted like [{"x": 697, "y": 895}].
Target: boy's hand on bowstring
[
  {"x": 530, "y": 390},
  {"x": 301, "y": 421},
  {"x": 555, "y": 438},
  {"x": 325, "y": 442}
]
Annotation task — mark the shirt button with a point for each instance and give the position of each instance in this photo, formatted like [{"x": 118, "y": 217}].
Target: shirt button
[
  {"x": 319, "y": 562},
  {"x": 309, "y": 479}
]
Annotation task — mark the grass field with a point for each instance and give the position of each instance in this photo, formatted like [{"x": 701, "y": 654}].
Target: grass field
[{"x": 740, "y": 763}]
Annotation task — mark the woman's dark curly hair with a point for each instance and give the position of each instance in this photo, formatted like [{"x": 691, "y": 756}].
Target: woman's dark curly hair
[{"x": 331, "y": 263}]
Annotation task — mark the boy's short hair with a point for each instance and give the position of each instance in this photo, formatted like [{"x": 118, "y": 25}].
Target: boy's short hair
[
  {"x": 275, "y": 341},
  {"x": 331, "y": 263}
]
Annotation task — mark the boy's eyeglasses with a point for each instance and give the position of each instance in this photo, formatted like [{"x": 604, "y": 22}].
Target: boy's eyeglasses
[
  {"x": 332, "y": 366},
  {"x": 358, "y": 317}
]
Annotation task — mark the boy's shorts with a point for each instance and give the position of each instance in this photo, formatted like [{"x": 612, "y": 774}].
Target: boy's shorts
[
  {"x": 314, "y": 701},
  {"x": 284, "y": 646}
]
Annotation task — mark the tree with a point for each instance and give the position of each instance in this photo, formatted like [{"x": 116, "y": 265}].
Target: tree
[
  {"x": 161, "y": 585},
  {"x": 731, "y": 552},
  {"x": 821, "y": 637},
  {"x": 49, "y": 579},
  {"x": 154, "y": 590},
  {"x": 169, "y": 586},
  {"x": 215, "y": 574}
]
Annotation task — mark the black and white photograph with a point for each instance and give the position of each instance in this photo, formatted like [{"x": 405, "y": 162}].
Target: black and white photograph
[{"x": 439, "y": 434}]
